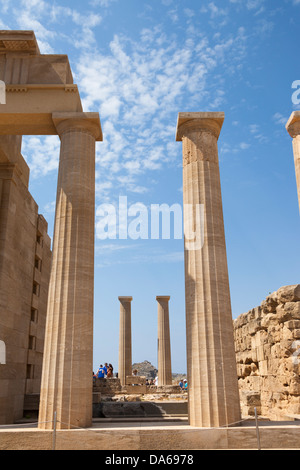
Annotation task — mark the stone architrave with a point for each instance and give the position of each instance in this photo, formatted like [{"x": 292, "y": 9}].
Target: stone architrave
[
  {"x": 125, "y": 349},
  {"x": 211, "y": 363},
  {"x": 68, "y": 353},
  {"x": 293, "y": 128},
  {"x": 163, "y": 340}
]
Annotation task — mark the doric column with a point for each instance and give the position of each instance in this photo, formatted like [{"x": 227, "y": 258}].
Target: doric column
[
  {"x": 125, "y": 353},
  {"x": 293, "y": 128},
  {"x": 68, "y": 354},
  {"x": 211, "y": 363},
  {"x": 163, "y": 339}
]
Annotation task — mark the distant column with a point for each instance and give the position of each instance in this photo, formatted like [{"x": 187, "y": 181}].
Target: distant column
[
  {"x": 211, "y": 363},
  {"x": 164, "y": 344},
  {"x": 293, "y": 128},
  {"x": 66, "y": 386},
  {"x": 125, "y": 353}
]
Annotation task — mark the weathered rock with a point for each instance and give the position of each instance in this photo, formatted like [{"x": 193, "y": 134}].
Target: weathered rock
[
  {"x": 289, "y": 293},
  {"x": 145, "y": 369},
  {"x": 267, "y": 345}
]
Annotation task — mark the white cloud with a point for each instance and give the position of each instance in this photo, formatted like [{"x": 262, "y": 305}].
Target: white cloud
[
  {"x": 102, "y": 3},
  {"x": 226, "y": 148},
  {"x": 5, "y": 4},
  {"x": 280, "y": 119},
  {"x": 254, "y": 4},
  {"x": 41, "y": 154},
  {"x": 244, "y": 146},
  {"x": 49, "y": 208},
  {"x": 257, "y": 134},
  {"x": 138, "y": 85},
  {"x": 216, "y": 11}
]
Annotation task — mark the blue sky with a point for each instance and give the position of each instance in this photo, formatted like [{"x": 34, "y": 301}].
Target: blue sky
[{"x": 138, "y": 63}]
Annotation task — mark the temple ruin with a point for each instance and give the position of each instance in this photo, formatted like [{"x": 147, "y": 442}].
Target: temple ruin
[{"x": 46, "y": 298}]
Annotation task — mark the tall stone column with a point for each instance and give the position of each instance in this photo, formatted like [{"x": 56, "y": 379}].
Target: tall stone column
[
  {"x": 125, "y": 352},
  {"x": 211, "y": 363},
  {"x": 293, "y": 128},
  {"x": 68, "y": 353},
  {"x": 164, "y": 344}
]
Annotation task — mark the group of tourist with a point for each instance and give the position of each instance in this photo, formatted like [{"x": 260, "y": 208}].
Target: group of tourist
[
  {"x": 104, "y": 372},
  {"x": 151, "y": 382},
  {"x": 107, "y": 371},
  {"x": 183, "y": 385}
]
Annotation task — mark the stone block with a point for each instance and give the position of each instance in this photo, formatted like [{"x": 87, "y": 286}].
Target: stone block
[
  {"x": 270, "y": 303},
  {"x": 286, "y": 333},
  {"x": 255, "y": 326},
  {"x": 263, "y": 367},
  {"x": 135, "y": 380},
  {"x": 270, "y": 319},
  {"x": 289, "y": 293},
  {"x": 260, "y": 354},
  {"x": 134, "y": 389},
  {"x": 293, "y": 310},
  {"x": 294, "y": 388}
]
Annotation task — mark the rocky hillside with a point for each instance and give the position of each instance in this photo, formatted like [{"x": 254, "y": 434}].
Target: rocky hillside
[{"x": 145, "y": 369}]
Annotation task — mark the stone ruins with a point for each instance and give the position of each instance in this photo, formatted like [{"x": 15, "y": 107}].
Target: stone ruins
[
  {"x": 267, "y": 345},
  {"x": 47, "y": 315}
]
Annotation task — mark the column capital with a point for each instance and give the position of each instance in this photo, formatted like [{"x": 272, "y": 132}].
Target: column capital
[
  {"x": 293, "y": 124},
  {"x": 125, "y": 298},
  {"x": 89, "y": 122},
  {"x": 162, "y": 297},
  {"x": 200, "y": 121}
]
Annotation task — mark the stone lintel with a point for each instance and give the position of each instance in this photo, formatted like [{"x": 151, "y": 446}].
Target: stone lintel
[
  {"x": 293, "y": 124},
  {"x": 29, "y": 108},
  {"x": 89, "y": 121},
  {"x": 41, "y": 98},
  {"x": 201, "y": 120},
  {"x": 18, "y": 41},
  {"x": 163, "y": 297}
]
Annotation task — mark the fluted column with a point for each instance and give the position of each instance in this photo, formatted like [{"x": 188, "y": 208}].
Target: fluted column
[
  {"x": 125, "y": 353},
  {"x": 68, "y": 353},
  {"x": 163, "y": 339},
  {"x": 293, "y": 128},
  {"x": 211, "y": 363}
]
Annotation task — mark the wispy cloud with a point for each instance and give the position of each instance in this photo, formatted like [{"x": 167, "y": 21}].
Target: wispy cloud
[
  {"x": 138, "y": 86},
  {"x": 109, "y": 254},
  {"x": 102, "y": 3},
  {"x": 41, "y": 154},
  {"x": 257, "y": 133},
  {"x": 280, "y": 119}
]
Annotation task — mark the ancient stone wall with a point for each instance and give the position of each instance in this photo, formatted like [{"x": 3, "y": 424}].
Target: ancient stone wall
[
  {"x": 25, "y": 258},
  {"x": 267, "y": 344}
]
